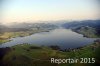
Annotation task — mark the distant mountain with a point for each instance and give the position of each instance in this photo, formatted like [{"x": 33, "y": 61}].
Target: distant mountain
[
  {"x": 90, "y": 23},
  {"x": 2, "y": 26},
  {"x": 15, "y": 27},
  {"x": 89, "y": 28}
]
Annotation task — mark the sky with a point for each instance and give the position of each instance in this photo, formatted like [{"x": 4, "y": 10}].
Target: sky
[{"x": 48, "y": 10}]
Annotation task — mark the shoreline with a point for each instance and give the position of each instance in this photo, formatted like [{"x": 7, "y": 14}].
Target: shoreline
[
  {"x": 35, "y": 53},
  {"x": 4, "y": 40}
]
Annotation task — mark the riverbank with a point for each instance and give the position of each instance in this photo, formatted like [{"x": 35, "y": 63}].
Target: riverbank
[{"x": 27, "y": 55}]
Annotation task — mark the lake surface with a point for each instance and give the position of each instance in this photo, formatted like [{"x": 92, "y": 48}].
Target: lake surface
[{"x": 65, "y": 38}]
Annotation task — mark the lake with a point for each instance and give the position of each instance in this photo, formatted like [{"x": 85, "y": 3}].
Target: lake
[{"x": 64, "y": 38}]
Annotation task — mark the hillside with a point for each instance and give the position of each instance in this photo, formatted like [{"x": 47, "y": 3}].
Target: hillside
[
  {"x": 89, "y": 28},
  {"x": 23, "y": 29},
  {"x": 30, "y": 55}
]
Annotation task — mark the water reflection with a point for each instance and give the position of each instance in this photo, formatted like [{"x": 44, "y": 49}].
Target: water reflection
[{"x": 65, "y": 38}]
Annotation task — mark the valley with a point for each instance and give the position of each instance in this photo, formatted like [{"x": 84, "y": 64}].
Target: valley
[{"x": 33, "y": 54}]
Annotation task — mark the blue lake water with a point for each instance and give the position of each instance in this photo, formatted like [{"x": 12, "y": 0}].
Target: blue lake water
[{"x": 64, "y": 38}]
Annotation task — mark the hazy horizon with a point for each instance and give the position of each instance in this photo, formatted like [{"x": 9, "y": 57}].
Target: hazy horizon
[{"x": 48, "y": 10}]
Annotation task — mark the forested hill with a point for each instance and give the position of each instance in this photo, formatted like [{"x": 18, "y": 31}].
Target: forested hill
[
  {"x": 89, "y": 28},
  {"x": 90, "y": 23}
]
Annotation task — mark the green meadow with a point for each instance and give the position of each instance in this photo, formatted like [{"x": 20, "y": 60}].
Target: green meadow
[{"x": 31, "y": 55}]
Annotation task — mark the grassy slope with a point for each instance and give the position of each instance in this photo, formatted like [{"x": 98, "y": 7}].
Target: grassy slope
[
  {"x": 40, "y": 56},
  {"x": 87, "y": 32},
  {"x": 7, "y": 35}
]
